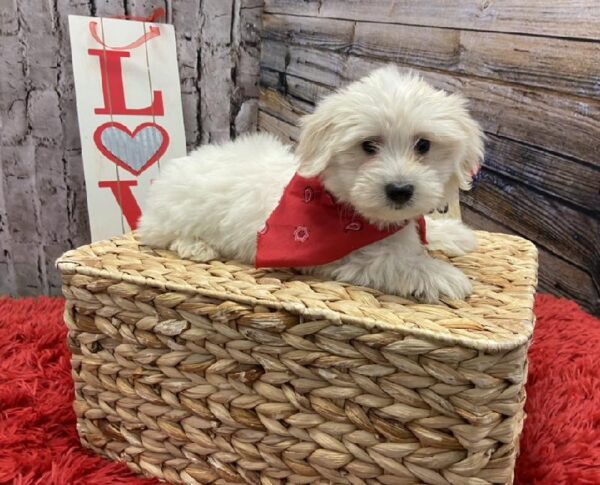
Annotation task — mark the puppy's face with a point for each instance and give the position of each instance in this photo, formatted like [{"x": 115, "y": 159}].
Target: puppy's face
[{"x": 391, "y": 146}]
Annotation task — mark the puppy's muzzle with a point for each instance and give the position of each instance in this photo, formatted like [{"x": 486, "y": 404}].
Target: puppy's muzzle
[{"x": 399, "y": 194}]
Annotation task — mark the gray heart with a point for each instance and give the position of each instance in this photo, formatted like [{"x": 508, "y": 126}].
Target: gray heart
[{"x": 135, "y": 151}]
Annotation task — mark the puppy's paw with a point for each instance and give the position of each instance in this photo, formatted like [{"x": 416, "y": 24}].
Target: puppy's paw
[
  {"x": 194, "y": 250},
  {"x": 433, "y": 279},
  {"x": 450, "y": 236}
]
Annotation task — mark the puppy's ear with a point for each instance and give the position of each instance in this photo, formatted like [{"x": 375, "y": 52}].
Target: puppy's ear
[
  {"x": 472, "y": 156},
  {"x": 315, "y": 146}
]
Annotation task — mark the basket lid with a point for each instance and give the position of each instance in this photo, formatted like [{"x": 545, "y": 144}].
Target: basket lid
[{"x": 497, "y": 316}]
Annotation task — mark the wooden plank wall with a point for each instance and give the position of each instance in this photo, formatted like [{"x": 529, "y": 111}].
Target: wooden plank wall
[
  {"x": 42, "y": 194},
  {"x": 532, "y": 73}
]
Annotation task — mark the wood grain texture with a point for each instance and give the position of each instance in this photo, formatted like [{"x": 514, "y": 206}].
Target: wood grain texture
[
  {"x": 560, "y": 18},
  {"x": 271, "y": 124},
  {"x": 309, "y": 31},
  {"x": 571, "y": 234},
  {"x": 537, "y": 97},
  {"x": 278, "y": 116},
  {"x": 568, "y": 180},
  {"x": 558, "y": 64},
  {"x": 42, "y": 191},
  {"x": 533, "y": 117},
  {"x": 557, "y": 275}
]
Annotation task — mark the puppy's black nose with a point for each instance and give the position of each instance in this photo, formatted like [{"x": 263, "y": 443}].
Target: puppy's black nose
[{"x": 399, "y": 193}]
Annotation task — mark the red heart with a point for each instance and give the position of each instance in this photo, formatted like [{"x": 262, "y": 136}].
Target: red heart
[{"x": 132, "y": 151}]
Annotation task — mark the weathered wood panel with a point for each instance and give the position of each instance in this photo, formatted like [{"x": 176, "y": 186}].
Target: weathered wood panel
[
  {"x": 560, "y": 18},
  {"x": 536, "y": 97},
  {"x": 571, "y": 234},
  {"x": 563, "y": 65},
  {"x": 568, "y": 180},
  {"x": 559, "y": 276},
  {"x": 534, "y": 117},
  {"x": 42, "y": 190},
  {"x": 310, "y": 31},
  {"x": 286, "y": 132}
]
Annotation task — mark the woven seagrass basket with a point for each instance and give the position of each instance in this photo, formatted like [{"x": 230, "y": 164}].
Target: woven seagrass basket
[{"x": 221, "y": 373}]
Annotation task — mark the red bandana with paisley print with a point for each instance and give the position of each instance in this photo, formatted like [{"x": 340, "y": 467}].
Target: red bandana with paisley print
[{"x": 309, "y": 228}]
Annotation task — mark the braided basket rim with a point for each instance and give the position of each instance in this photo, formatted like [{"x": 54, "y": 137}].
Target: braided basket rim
[{"x": 497, "y": 317}]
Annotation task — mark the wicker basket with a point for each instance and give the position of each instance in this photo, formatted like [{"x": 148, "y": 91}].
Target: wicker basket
[{"x": 202, "y": 373}]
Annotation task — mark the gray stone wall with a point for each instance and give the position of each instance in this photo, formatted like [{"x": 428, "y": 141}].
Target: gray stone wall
[{"x": 42, "y": 191}]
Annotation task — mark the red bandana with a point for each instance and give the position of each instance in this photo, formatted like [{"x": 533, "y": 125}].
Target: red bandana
[{"x": 309, "y": 228}]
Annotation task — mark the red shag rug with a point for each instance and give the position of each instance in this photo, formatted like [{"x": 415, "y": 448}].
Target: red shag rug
[{"x": 39, "y": 445}]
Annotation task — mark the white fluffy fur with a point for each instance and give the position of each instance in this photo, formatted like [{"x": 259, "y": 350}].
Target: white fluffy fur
[{"x": 212, "y": 203}]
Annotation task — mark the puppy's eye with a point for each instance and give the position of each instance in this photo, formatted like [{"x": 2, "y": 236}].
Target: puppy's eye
[
  {"x": 370, "y": 146},
  {"x": 422, "y": 146}
]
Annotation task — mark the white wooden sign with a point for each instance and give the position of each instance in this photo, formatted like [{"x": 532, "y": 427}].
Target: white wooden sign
[{"x": 130, "y": 114}]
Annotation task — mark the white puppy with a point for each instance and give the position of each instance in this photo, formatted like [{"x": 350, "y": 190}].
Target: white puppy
[{"x": 389, "y": 145}]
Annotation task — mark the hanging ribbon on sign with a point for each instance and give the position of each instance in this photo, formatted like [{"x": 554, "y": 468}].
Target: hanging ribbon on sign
[{"x": 154, "y": 32}]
